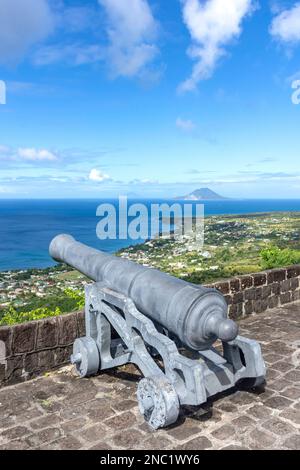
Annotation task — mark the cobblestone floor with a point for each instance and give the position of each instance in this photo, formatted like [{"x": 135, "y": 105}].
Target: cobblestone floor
[{"x": 60, "y": 411}]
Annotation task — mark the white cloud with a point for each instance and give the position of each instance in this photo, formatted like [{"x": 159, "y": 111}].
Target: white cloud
[
  {"x": 131, "y": 30},
  {"x": 144, "y": 181},
  {"x": 5, "y": 190},
  {"x": 98, "y": 176},
  {"x": 285, "y": 26},
  {"x": 75, "y": 54},
  {"x": 212, "y": 24},
  {"x": 185, "y": 124},
  {"x": 27, "y": 155},
  {"x": 32, "y": 154},
  {"x": 23, "y": 24},
  {"x": 4, "y": 149}
]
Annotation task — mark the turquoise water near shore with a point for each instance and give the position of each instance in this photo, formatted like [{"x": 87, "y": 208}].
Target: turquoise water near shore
[{"x": 28, "y": 226}]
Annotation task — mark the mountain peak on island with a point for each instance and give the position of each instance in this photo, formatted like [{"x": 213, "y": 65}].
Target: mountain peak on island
[{"x": 201, "y": 194}]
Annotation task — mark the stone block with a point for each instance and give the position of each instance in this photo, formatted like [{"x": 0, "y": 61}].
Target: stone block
[
  {"x": 279, "y": 275},
  {"x": 24, "y": 337},
  {"x": 67, "y": 329},
  {"x": 264, "y": 304},
  {"x": 249, "y": 307},
  {"x": 47, "y": 333},
  {"x": 266, "y": 292},
  {"x": 261, "y": 439},
  {"x": 293, "y": 442},
  {"x": 2, "y": 373},
  {"x": 6, "y": 337},
  {"x": 294, "y": 283},
  {"x": 238, "y": 298},
  {"x": 15, "y": 433},
  {"x": 14, "y": 369},
  {"x": 273, "y": 301},
  {"x": 258, "y": 308},
  {"x": 258, "y": 293},
  {"x": 285, "y": 298},
  {"x": 44, "y": 436},
  {"x": 285, "y": 286},
  {"x": 46, "y": 359},
  {"x": 223, "y": 287},
  {"x": 235, "y": 311},
  {"x": 260, "y": 305},
  {"x": 250, "y": 294},
  {"x": 293, "y": 271},
  {"x": 276, "y": 288},
  {"x": 270, "y": 277},
  {"x": 122, "y": 421},
  {"x": 246, "y": 282},
  {"x": 183, "y": 432},
  {"x": 259, "y": 279},
  {"x": 235, "y": 285},
  {"x": 81, "y": 324},
  {"x": 62, "y": 355},
  {"x": 295, "y": 295},
  {"x": 199, "y": 443},
  {"x": 31, "y": 363}
]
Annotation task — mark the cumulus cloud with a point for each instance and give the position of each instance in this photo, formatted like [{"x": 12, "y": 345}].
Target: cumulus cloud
[
  {"x": 130, "y": 47},
  {"x": 23, "y": 24},
  {"x": 32, "y": 154},
  {"x": 27, "y": 155},
  {"x": 185, "y": 124},
  {"x": 213, "y": 25},
  {"x": 98, "y": 176},
  {"x": 285, "y": 26},
  {"x": 132, "y": 30}
]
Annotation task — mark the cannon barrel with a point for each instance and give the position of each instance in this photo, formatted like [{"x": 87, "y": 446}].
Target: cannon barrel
[{"x": 196, "y": 315}]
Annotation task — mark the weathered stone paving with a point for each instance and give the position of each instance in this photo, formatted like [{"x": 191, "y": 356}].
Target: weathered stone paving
[{"x": 60, "y": 411}]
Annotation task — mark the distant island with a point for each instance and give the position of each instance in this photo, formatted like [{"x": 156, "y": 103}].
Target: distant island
[{"x": 201, "y": 194}]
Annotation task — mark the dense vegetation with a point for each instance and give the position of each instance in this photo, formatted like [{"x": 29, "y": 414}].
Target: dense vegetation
[
  {"x": 274, "y": 257},
  {"x": 70, "y": 300}
]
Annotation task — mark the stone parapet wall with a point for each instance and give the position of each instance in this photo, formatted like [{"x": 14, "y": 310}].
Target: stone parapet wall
[
  {"x": 27, "y": 350},
  {"x": 255, "y": 293}
]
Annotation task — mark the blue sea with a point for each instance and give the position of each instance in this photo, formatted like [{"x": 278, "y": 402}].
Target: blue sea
[{"x": 28, "y": 226}]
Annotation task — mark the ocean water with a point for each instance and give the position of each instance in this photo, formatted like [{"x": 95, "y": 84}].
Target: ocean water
[{"x": 28, "y": 226}]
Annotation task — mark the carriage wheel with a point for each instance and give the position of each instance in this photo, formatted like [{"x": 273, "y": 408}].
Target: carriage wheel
[
  {"x": 158, "y": 401},
  {"x": 85, "y": 356}
]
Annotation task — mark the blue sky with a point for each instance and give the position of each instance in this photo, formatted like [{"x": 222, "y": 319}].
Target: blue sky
[{"x": 151, "y": 98}]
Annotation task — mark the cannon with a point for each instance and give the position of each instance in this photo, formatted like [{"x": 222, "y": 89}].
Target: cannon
[{"x": 167, "y": 327}]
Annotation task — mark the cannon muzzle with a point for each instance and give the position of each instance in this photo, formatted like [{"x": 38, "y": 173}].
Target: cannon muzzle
[{"x": 196, "y": 315}]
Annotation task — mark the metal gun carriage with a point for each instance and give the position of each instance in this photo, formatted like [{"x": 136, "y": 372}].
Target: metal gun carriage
[{"x": 156, "y": 315}]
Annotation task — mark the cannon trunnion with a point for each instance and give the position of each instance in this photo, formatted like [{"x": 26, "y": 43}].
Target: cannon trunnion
[{"x": 166, "y": 326}]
